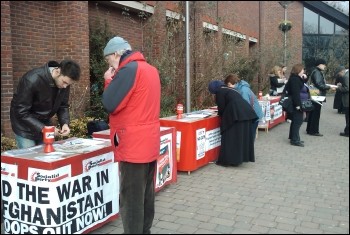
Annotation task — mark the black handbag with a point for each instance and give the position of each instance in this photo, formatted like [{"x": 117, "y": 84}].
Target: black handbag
[
  {"x": 286, "y": 103},
  {"x": 96, "y": 125},
  {"x": 307, "y": 105}
]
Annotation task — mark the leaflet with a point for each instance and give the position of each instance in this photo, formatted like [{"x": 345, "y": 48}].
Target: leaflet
[
  {"x": 318, "y": 98},
  {"x": 332, "y": 86}
]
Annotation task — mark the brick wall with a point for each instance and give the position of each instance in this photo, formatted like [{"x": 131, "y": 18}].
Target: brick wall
[
  {"x": 34, "y": 32},
  {"x": 37, "y": 32},
  {"x": 33, "y": 35},
  {"x": 121, "y": 22},
  {"x": 72, "y": 42},
  {"x": 272, "y": 15},
  {"x": 6, "y": 67}
]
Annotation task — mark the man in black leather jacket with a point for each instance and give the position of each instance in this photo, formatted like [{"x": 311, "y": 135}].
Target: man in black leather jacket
[
  {"x": 41, "y": 93},
  {"x": 318, "y": 80}
]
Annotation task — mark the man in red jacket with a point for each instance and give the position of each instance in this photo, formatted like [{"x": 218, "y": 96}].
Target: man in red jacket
[{"x": 132, "y": 99}]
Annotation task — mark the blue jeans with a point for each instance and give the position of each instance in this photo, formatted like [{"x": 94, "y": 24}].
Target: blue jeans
[{"x": 23, "y": 143}]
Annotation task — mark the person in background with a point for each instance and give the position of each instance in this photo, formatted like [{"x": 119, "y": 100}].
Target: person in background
[
  {"x": 233, "y": 81},
  {"x": 337, "y": 103},
  {"x": 274, "y": 75},
  {"x": 237, "y": 117},
  {"x": 42, "y": 93},
  {"x": 344, "y": 89},
  {"x": 285, "y": 79},
  {"x": 283, "y": 73},
  {"x": 298, "y": 91},
  {"x": 132, "y": 99},
  {"x": 318, "y": 80},
  {"x": 283, "y": 76}
]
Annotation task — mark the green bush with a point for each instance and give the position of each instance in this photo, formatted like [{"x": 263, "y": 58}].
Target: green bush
[
  {"x": 98, "y": 38},
  {"x": 78, "y": 128},
  {"x": 7, "y": 143}
]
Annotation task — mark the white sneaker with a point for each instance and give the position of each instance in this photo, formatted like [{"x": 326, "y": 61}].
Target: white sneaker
[{"x": 288, "y": 120}]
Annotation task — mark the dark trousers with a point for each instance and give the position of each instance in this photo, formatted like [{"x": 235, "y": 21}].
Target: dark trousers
[
  {"x": 346, "y": 110},
  {"x": 297, "y": 121},
  {"x": 313, "y": 121},
  {"x": 137, "y": 196}
]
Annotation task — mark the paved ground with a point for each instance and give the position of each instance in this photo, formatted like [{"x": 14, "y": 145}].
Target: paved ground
[{"x": 288, "y": 189}]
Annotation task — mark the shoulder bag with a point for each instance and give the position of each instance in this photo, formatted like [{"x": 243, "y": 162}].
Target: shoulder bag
[
  {"x": 307, "y": 105},
  {"x": 96, "y": 125},
  {"x": 286, "y": 103}
]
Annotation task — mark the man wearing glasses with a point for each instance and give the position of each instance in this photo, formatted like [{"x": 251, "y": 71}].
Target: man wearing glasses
[{"x": 41, "y": 93}]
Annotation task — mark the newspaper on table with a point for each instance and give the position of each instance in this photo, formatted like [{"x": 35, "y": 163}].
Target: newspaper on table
[
  {"x": 200, "y": 114},
  {"x": 78, "y": 145}
]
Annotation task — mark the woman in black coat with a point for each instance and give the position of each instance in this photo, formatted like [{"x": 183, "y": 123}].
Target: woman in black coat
[
  {"x": 237, "y": 117},
  {"x": 298, "y": 91}
]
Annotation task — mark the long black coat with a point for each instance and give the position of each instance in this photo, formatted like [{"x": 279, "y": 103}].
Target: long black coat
[
  {"x": 337, "y": 103},
  {"x": 237, "y": 116}
]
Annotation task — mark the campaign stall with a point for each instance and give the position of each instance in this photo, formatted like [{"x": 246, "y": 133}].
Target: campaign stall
[
  {"x": 273, "y": 113},
  {"x": 166, "y": 171},
  {"x": 72, "y": 190},
  {"x": 198, "y": 138}
]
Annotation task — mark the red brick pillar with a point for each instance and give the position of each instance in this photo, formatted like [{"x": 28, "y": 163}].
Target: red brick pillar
[{"x": 6, "y": 68}]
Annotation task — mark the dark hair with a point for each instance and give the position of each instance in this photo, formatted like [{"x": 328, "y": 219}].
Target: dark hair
[
  {"x": 320, "y": 61},
  {"x": 232, "y": 78},
  {"x": 70, "y": 69},
  {"x": 297, "y": 69}
]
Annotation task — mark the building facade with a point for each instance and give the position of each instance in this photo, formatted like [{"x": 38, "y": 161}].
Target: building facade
[{"x": 220, "y": 32}]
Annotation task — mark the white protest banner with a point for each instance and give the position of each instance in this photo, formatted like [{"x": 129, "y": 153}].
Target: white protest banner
[{"x": 68, "y": 206}]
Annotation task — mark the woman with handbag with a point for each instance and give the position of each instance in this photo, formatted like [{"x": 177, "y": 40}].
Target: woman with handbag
[{"x": 298, "y": 91}]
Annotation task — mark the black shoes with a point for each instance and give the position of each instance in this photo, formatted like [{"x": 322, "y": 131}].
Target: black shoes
[
  {"x": 298, "y": 143},
  {"x": 344, "y": 134},
  {"x": 221, "y": 164},
  {"x": 315, "y": 134}
]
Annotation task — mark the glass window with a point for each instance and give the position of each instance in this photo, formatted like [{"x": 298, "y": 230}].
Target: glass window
[
  {"x": 309, "y": 57},
  {"x": 325, "y": 42},
  {"x": 310, "y": 41},
  {"x": 309, "y": 53},
  {"x": 326, "y": 26},
  {"x": 340, "y": 30},
  {"x": 323, "y": 53},
  {"x": 341, "y": 46},
  {"x": 310, "y": 22},
  {"x": 338, "y": 52}
]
